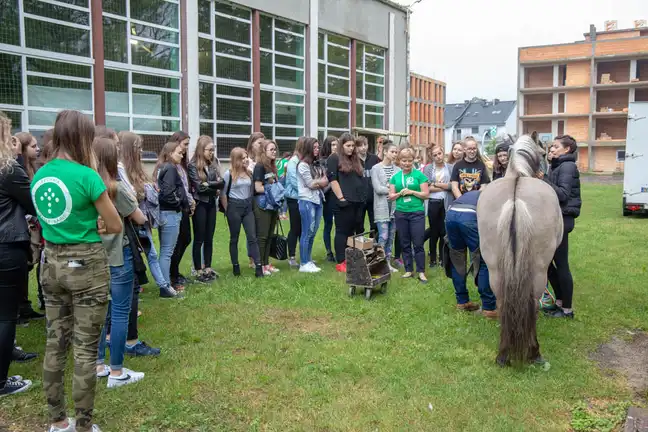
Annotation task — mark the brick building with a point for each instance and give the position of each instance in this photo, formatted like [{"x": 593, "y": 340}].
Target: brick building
[
  {"x": 427, "y": 103},
  {"x": 583, "y": 89}
]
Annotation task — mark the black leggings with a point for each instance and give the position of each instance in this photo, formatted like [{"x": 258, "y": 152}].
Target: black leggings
[
  {"x": 184, "y": 239},
  {"x": 436, "y": 231},
  {"x": 266, "y": 222},
  {"x": 239, "y": 212},
  {"x": 295, "y": 226},
  {"x": 204, "y": 224},
  {"x": 559, "y": 274},
  {"x": 347, "y": 223}
]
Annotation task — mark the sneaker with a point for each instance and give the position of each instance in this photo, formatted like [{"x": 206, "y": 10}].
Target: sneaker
[
  {"x": 141, "y": 349},
  {"x": 398, "y": 263},
  {"x": 292, "y": 262},
  {"x": 314, "y": 265},
  {"x": 560, "y": 313},
  {"x": 13, "y": 387},
  {"x": 468, "y": 307},
  {"x": 204, "y": 278},
  {"x": 341, "y": 268},
  {"x": 407, "y": 275},
  {"x": 95, "y": 428},
  {"x": 104, "y": 373},
  {"x": 258, "y": 271},
  {"x": 392, "y": 269},
  {"x": 178, "y": 287},
  {"x": 490, "y": 314},
  {"x": 266, "y": 271},
  {"x": 213, "y": 274},
  {"x": 20, "y": 356},
  {"x": 127, "y": 377},
  {"x": 422, "y": 279},
  {"x": 31, "y": 315},
  {"x": 15, "y": 378},
  {"x": 273, "y": 269},
  {"x": 169, "y": 292},
  {"x": 70, "y": 427},
  {"x": 330, "y": 257},
  {"x": 182, "y": 280},
  {"x": 309, "y": 268}
]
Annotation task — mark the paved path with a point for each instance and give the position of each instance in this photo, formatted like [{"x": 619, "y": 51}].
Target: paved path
[{"x": 602, "y": 179}]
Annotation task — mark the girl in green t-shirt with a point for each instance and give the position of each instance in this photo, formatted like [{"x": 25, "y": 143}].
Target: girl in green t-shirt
[{"x": 409, "y": 188}]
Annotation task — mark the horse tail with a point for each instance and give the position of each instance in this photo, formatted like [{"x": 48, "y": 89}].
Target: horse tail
[{"x": 516, "y": 301}]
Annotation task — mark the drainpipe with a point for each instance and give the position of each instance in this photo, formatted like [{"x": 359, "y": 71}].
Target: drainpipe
[{"x": 407, "y": 67}]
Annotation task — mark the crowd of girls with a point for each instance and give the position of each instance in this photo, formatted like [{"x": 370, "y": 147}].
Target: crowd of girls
[{"x": 82, "y": 210}]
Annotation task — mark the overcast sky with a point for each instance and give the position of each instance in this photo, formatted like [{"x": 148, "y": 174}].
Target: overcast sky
[{"x": 472, "y": 44}]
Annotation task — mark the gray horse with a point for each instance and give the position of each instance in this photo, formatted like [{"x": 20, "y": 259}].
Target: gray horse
[{"x": 520, "y": 227}]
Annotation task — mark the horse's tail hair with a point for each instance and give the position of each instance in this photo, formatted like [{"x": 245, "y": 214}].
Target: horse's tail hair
[{"x": 516, "y": 302}]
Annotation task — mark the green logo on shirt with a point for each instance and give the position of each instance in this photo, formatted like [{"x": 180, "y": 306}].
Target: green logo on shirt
[{"x": 52, "y": 200}]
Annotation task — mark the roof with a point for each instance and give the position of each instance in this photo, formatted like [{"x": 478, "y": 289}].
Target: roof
[
  {"x": 478, "y": 112},
  {"x": 395, "y": 5}
]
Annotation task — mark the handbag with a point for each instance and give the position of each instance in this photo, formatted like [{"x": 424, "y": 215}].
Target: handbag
[
  {"x": 279, "y": 244},
  {"x": 139, "y": 266}
]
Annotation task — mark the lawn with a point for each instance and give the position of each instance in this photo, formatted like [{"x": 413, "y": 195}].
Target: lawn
[{"x": 294, "y": 352}]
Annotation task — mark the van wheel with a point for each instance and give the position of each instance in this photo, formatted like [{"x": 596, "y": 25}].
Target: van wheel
[{"x": 626, "y": 212}]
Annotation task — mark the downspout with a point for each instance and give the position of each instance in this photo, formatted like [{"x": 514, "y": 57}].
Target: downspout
[{"x": 407, "y": 70}]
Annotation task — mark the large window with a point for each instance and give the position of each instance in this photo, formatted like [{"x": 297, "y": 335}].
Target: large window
[
  {"x": 370, "y": 86},
  {"x": 142, "y": 52},
  {"x": 334, "y": 85},
  {"x": 45, "y": 63},
  {"x": 225, "y": 68},
  {"x": 282, "y": 81}
]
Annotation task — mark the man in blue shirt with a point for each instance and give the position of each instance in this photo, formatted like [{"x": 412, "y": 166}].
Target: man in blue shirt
[{"x": 462, "y": 234}]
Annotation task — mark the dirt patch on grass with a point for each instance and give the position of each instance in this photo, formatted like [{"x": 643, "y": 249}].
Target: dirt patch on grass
[
  {"x": 628, "y": 356},
  {"x": 299, "y": 321}
]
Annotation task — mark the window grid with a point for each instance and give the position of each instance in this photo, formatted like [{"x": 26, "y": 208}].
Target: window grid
[
  {"x": 218, "y": 83},
  {"x": 334, "y": 104},
  {"x": 370, "y": 112},
  {"x": 281, "y": 106}
]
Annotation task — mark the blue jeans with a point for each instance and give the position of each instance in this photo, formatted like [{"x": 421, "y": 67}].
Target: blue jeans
[
  {"x": 122, "y": 279},
  {"x": 168, "y": 232},
  {"x": 311, "y": 214},
  {"x": 152, "y": 257},
  {"x": 386, "y": 233},
  {"x": 411, "y": 230},
  {"x": 462, "y": 233}
]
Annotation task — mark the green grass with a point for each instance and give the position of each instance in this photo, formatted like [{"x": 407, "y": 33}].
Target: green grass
[{"x": 293, "y": 352}]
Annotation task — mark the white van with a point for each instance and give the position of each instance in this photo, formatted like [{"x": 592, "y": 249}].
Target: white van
[{"x": 635, "y": 178}]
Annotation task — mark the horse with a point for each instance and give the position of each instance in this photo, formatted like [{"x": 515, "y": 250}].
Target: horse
[{"x": 520, "y": 225}]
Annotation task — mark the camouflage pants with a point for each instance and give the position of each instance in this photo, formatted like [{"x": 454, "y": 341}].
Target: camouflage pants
[{"x": 75, "y": 282}]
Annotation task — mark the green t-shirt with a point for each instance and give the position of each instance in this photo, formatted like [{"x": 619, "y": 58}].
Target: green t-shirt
[
  {"x": 281, "y": 167},
  {"x": 413, "y": 181},
  {"x": 64, "y": 193},
  {"x": 125, "y": 203}
]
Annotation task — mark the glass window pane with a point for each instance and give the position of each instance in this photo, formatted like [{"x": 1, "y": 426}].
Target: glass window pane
[
  {"x": 375, "y": 65},
  {"x": 155, "y": 125},
  {"x": 235, "y": 50},
  {"x": 360, "y": 86},
  {"x": 289, "y": 78},
  {"x": 156, "y": 103},
  {"x": 223, "y": 90},
  {"x": 373, "y": 121},
  {"x": 285, "y": 145},
  {"x": 375, "y": 79},
  {"x": 266, "y": 67},
  {"x": 375, "y": 50},
  {"x": 266, "y": 107},
  {"x": 289, "y": 26},
  {"x": 289, "y": 115},
  {"x": 359, "y": 55},
  {"x": 338, "y": 71},
  {"x": 289, "y": 61},
  {"x": 206, "y": 100},
  {"x": 10, "y": 79},
  {"x": 338, "y": 55},
  {"x": 374, "y": 109},
  {"x": 233, "y": 110},
  {"x": 156, "y": 81},
  {"x": 205, "y": 57},
  {"x": 338, "y": 86},
  {"x": 57, "y": 38},
  {"x": 224, "y": 146},
  {"x": 321, "y": 45},
  {"x": 10, "y": 28},
  {"x": 233, "y": 69},
  {"x": 231, "y": 9},
  {"x": 338, "y": 104},
  {"x": 268, "y": 131},
  {"x": 154, "y": 33},
  {"x": 115, "y": 40},
  {"x": 359, "y": 115},
  {"x": 374, "y": 93},
  {"x": 59, "y": 93},
  {"x": 338, "y": 119},
  {"x": 290, "y": 98},
  {"x": 339, "y": 40},
  {"x": 321, "y": 112},
  {"x": 16, "y": 121},
  {"x": 289, "y": 132},
  {"x": 204, "y": 16},
  {"x": 156, "y": 12},
  {"x": 117, "y": 7},
  {"x": 56, "y": 12},
  {"x": 233, "y": 129},
  {"x": 155, "y": 56},
  {"x": 40, "y": 118},
  {"x": 118, "y": 123},
  {"x": 207, "y": 129},
  {"x": 58, "y": 68},
  {"x": 266, "y": 32},
  {"x": 288, "y": 43},
  {"x": 232, "y": 30},
  {"x": 116, "y": 91},
  {"x": 321, "y": 78}
]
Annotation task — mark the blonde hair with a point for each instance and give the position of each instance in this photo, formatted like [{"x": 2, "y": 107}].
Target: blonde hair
[
  {"x": 7, "y": 159},
  {"x": 198, "y": 158},
  {"x": 237, "y": 169},
  {"x": 405, "y": 152}
]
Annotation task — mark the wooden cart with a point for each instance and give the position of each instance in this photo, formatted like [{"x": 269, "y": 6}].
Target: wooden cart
[{"x": 367, "y": 269}]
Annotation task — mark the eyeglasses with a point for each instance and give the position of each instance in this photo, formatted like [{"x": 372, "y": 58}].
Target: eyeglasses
[{"x": 273, "y": 150}]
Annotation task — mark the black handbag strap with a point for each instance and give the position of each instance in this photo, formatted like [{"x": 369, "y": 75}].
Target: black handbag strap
[{"x": 278, "y": 228}]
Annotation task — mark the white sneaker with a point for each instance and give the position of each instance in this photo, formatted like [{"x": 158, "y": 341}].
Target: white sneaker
[
  {"x": 307, "y": 268},
  {"x": 127, "y": 377},
  {"x": 393, "y": 269},
  {"x": 312, "y": 264},
  {"x": 95, "y": 428},
  {"x": 104, "y": 373},
  {"x": 70, "y": 428}
]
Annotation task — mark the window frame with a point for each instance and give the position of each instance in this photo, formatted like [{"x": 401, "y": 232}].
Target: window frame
[
  {"x": 361, "y": 74},
  {"x": 326, "y": 96}
]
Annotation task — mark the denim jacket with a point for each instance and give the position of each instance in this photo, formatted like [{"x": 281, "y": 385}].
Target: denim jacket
[{"x": 292, "y": 189}]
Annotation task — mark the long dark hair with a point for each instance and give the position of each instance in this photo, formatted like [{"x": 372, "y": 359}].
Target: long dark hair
[
  {"x": 263, "y": 158},
  {"x": 164, "y": 156},
  {"x": 131, "y": 157},
  {"x": 254, "y": 138},
  {"x": 349, "y": 163},
  {"x": 199, "y": 159},
  {"x": 25, "y": 139},
  {"x": 73, "y": 136},
  {"x": 327, "y": 146},
  {"x": 107, "y": 158},
  {"x": 308, "y": 150},
  {"x": 178, "y": 137}
]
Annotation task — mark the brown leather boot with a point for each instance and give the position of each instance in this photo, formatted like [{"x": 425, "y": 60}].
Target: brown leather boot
[
  {"x": 468, "y": 307},
  {"x": 491, "y": 314}
]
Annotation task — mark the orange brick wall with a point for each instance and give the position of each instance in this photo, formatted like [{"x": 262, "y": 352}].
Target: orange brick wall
[
  {"x": 605, "y": 160},
  {"x": 538, "y": 104},
  {"x": 622, "y": 46},
  {"x": 538, "y": 77},
  {"x": 424, "y": 111},
  {"x": 617, "y": 128},
  {"x": 642, "y": 70},
  {"x": 625, "y": 35},
  {"x": 619, "y": 71},
  {"x": 578, "y": 73},
  {"x": 555, "y": 52},
  {"x": 582, "y": 160},
  {"x": 577, "y": 127},
  {"x": 615, "y": 99},
  {"x": 578, "y": 102},
  {"x": 641, "y": 95},
  {"x": 536, "y": 126}
]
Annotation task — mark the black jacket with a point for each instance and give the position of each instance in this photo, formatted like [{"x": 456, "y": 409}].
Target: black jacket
[
  {"x": 367, "y": 164},
  {"x": 15, "y": 203},
  {"x": 172, "y": 195},
  {"x": 565, "y": 179},
  {"x": 205, "y": 191}
]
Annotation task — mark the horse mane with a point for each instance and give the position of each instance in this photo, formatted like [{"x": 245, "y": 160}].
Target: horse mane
[{"x": 524, "y": 158}]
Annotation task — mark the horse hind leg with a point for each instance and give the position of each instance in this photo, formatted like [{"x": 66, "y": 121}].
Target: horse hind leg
[{"x": 502, "y": 359}]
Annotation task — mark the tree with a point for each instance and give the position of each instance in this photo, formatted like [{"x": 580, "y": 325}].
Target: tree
[{"x": 489, "y": 148}]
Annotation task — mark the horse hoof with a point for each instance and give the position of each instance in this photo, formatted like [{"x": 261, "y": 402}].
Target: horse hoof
[{"x": 502, "y": 362}]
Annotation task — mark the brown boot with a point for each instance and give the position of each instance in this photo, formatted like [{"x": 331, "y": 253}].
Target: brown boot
[
  {"x": 491, "y": 314},
  {"x": 468, "y": 307}
]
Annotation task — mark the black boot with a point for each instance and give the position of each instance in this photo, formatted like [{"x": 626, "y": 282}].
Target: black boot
[
  {"x": 330, "y": 257},
  {"x": 258, "y": 271},
  {"x": 236, "y": 269}
]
